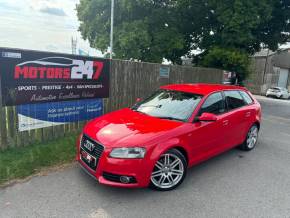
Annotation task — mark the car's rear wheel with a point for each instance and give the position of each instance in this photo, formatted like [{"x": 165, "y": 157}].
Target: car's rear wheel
[
  {"x": 169, "y": 171},
  {"x": 251, "y": 139}
]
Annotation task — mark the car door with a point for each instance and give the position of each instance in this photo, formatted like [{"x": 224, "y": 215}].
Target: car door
[
  {"x": 209, "y": 138},
  {"x": 249, "y": 116},
  {"x": 238, "y": 115}
]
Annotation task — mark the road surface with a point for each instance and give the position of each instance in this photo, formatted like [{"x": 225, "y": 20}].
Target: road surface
[{"x": 234, "y": 184}]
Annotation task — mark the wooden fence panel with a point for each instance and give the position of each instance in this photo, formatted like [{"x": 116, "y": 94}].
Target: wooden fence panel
[
  {"x": 3, "y": 139},
  {"x": 128, "y": 81}
]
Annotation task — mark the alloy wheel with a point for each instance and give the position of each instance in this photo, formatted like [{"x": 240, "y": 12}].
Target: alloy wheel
[
  {"x": 168, "y": 171},
  {"x": 252, "y": 137}
]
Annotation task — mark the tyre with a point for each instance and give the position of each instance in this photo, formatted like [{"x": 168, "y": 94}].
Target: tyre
[
  {"x": 251, "y": 139},
  {"x": 169, "y": 171}
]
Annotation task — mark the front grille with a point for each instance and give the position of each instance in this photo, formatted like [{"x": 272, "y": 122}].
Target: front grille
[
  {"x": 117, "y": 178},
  {"x": 95, "y": 150}
]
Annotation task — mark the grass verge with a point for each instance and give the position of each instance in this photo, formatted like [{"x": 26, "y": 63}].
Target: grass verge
[{"x": 18, "y": 163}]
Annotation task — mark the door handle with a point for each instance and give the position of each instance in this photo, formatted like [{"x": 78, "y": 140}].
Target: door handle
[
  {"x": 225, "y": 122},
  {"x": 248, "y": 114}
]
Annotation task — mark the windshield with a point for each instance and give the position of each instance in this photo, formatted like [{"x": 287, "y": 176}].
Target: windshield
[
  {"x": 168, "y": 104},
  {"x": 275, "y": 88}
]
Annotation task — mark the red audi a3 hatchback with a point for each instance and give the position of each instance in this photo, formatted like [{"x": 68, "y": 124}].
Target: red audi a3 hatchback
[{"x": 155, "y": 141}]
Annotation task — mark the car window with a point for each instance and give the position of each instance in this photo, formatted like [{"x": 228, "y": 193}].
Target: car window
[
  {"x": 213, "y": 104},
  {"x": 246, "y": 97},
  {"x": 169, "y": 104},
  {"x": 234, "y": 100}
]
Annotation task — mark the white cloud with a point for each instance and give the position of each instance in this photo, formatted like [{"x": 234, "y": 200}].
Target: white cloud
[
  {"x": 53, "y": 11},
  {"x": 28, "y": 24}
]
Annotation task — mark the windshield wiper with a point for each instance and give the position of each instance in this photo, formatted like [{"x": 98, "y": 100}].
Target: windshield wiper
[
  {"x": 156, "y": 106},
  {"x": 138, "y": 111},
  {"x": 135, "y": 107},
  {"x": 171, "y": 118}
]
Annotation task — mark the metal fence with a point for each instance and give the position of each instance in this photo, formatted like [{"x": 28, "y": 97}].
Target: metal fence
[{"x": 128, "y": 81}]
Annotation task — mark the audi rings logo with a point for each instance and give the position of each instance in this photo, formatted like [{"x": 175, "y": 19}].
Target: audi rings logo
[{"x": 89, "y": 145}]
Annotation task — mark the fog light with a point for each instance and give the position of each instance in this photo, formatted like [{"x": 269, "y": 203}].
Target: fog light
[{"x": 125, "y": 179}]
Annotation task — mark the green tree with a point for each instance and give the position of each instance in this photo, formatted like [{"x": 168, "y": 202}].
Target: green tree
[
  {"x": 245, "y": 24},
  {"x": 150, "y": 30},
  {"x": 230, "y": 59},
  {"x": 238, "y": 29},
  {"x": 144, "y": 30}
]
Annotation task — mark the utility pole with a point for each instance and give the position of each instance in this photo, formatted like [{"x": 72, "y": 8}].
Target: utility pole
[
  {"x": 112, "y": 29},
  {"x": 74, "y": 45}
]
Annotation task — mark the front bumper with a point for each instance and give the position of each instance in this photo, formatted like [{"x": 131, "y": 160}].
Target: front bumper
[{"x": 139, "y": 169}]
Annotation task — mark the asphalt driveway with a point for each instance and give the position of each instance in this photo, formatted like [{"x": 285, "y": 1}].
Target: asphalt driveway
[{"x": 235, "y": 184}]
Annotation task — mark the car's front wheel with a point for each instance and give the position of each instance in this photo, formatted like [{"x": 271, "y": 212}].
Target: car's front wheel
[{"x": 169, "y": 171}]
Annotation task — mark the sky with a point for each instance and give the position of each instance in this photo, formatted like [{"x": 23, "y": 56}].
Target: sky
[{"x": 46, "y": 25}]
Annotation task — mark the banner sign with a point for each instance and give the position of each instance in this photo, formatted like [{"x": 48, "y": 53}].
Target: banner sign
[
  {"x": 30, "y": 77},
  {"x": 164, "y": 72},
  {"x": 35, "y": 116}
]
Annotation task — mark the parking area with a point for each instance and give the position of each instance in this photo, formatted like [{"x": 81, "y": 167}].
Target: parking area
[{"x": 234, "y": 184}]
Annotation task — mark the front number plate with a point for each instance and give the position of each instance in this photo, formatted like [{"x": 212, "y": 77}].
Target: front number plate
[{"x": 89, "y": 159}]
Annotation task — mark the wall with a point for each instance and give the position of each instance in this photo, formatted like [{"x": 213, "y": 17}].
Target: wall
[
  {"x": 254, "y": 80},
  {"x": 265, "y": 71},
  {"x": 128, "y": 81}
]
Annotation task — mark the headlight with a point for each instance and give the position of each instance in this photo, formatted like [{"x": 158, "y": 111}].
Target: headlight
[{"x": 135, "y": 152}]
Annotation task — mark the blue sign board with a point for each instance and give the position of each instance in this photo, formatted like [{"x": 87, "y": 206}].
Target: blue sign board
[
  {"x": 34, "y": 116},
  {"x": 164, "y": 72}
]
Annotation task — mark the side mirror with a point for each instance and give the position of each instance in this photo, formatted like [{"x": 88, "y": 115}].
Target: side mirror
[{"x": 207, "y": 117}]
